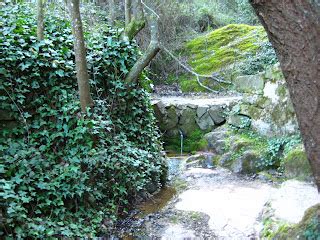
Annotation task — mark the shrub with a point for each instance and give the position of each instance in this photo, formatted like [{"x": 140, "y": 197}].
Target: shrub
[{"x": 67, "y": 174}]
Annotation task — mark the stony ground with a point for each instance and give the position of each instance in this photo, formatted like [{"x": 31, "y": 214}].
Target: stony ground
[{"x": 213, "y": 203}]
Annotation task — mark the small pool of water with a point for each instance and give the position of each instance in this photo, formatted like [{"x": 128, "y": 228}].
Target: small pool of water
[{"x": 158, "y": 201}]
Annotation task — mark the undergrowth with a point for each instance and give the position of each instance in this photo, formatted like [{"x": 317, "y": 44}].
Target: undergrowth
[
  {"x": 191, "y": 144},
  {"x": 271, "y": 150},
  {"x": 65, "y": 174}
]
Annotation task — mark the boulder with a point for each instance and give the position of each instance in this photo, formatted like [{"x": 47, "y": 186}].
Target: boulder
[
  {"x": 310, "y": 224},
  {"x": 217, "y": 140},
  {"x": 247, "y": 163},
  {"x": 296, "y": 164}
]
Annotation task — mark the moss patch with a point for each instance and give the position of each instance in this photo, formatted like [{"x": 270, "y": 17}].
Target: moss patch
[
  {"x": 224, "y": 46},
  {"x": 193, "y": 143},
  {"x": 296, "y": 164},
  {"x": 308, "y": 228}
]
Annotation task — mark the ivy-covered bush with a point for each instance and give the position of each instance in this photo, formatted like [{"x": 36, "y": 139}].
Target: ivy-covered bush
[{"x": 63, "y": 173}]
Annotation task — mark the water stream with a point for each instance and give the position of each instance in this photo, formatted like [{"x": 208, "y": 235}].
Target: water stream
[{"x": 214, "y": 203}]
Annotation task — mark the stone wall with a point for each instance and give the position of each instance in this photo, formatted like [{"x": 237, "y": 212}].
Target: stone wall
[
  {"x": 190, "y": 114},
  {"x": 267, "y": 103},
  {"x": 263, "y": 105}
]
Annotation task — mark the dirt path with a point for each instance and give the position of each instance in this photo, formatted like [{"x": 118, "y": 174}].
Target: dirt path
[{"x": 217, "y": 204}]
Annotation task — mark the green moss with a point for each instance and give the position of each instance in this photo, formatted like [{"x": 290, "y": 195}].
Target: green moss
[
  {"x": 224, "y": 46},
  {"x": 308, "y": 228},
  {"x": 192, "y": 143},
  {"x": 134, "y": 27},
  {"x": 243, "y": 141},
  {"x": 190, "y": 84},
  {"x": 296, "y": 164}
]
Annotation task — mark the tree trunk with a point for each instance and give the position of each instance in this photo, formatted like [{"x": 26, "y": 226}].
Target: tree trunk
[
  {"x": 127, "y": 10},
  {"x": 137, "y": 22},
  {"x": 40, "y": 22},
  {"x": 112, "y": 11},
  {"x": 80, "y": 55},
  {"x": 146, "y": 58},
  {"x": 294, "y": 30}
]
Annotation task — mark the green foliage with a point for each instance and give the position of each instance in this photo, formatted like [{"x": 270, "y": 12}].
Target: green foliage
[
  {"x": 312, "y": 231},
  {"x": 276, "y": 149},
  {"x": 68, "y": 174},
  {"x": 189, "y": 84},
  {"x": 272, "y": 150},
  {"x": 193, "y": 143},
  {"x": 264, "y": 57}
]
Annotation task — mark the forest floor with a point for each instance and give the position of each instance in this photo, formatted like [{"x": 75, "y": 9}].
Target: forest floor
[{"x": 214, "y": 203}]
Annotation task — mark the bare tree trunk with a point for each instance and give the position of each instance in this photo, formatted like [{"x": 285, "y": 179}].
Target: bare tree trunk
[
  {"x": 146, "y": 58},
  {"x": 40, "y": 22},
  {"x": 127, "y": 10},
  {"x": 294, "y": 30},
  {"x": 112, "y": 11},
  {"x": 80, "y": 55}
]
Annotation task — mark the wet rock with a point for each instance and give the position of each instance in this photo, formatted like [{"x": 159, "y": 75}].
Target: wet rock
[
  {"x": 200, "y": 160},
  {"x": 179, "y": 232},
  {"x": 225, "y": 159}
]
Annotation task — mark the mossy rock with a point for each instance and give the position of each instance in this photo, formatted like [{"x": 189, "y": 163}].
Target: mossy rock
[
  {"x": 244, "y": 152},
  {"x": 296, "y": 164},
  {"x": 224, "y": 46},
  {"x": 307, "y": 229}
]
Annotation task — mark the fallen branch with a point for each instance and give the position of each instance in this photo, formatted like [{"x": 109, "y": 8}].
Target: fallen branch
[{"x": 198, "y": 76}]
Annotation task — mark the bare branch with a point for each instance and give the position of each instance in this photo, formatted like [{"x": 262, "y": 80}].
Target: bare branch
[
  {"x": 197, "y": 75},
  {"x": 150, "y": 9}
]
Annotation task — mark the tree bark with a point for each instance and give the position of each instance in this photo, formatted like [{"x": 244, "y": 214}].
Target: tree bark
[
  {"x": 146, "y": 58},
  {"x": 294, "y": 30},
  {"x": 137, "y": 22},
  {"x": 127, "y": 7},
  {"x": 112, "y": 11},
  {"x": 40, "y": 21},
  {"x": 80, "y": 55}
]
